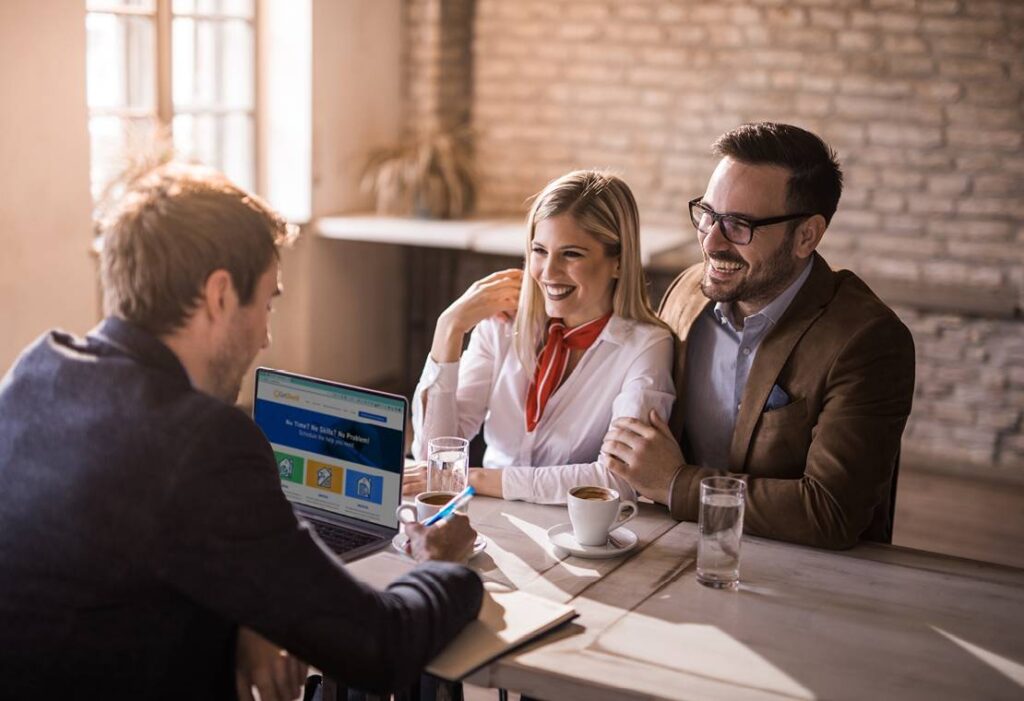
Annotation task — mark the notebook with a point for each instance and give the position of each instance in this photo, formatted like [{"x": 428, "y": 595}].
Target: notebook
[
  {"x": 507, "y": 620},
  {"x": 339, "y": 454}
]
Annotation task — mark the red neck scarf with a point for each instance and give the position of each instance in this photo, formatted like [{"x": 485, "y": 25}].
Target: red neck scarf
[{"x": 554, "y": 358}]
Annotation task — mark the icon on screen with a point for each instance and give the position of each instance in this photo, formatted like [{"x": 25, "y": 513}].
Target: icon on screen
[
  {"x": 359, "y": 485},
  {"x": 289, "y": 467},
  {"x": 285, "y": 469},
  {"x": 323, "y": 477}
]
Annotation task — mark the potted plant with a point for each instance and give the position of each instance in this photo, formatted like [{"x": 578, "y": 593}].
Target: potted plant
[
  {"x": 430, "y": 177},
  {"x": 145, "y": 147}
]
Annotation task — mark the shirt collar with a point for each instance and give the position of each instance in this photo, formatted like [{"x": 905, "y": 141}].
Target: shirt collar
[
  {"x": 616, "y": 331},
  {"x": 774, "y": 310}
]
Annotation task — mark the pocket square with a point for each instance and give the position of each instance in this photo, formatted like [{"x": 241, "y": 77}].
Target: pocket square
[{"x": 777, "y": 399}]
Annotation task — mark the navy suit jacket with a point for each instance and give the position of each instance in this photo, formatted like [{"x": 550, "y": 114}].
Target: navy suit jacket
[{"x": 142, "y": 521}]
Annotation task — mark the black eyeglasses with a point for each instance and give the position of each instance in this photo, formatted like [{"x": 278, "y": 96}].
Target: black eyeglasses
[{"x": 736, "y": 229}]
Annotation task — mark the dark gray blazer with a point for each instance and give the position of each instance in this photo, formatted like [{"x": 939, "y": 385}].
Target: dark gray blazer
[{"x": 142, "y": 521}]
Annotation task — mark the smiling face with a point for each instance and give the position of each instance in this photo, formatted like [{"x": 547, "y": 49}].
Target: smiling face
[
  {"x": 751, "y": 276},
  {"x": 575, "y": 275}
]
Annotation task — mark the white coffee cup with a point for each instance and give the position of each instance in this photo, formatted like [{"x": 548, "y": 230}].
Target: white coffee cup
[
  {"x": 424, "y": 505},
  {"x": 595, "y": 511}
]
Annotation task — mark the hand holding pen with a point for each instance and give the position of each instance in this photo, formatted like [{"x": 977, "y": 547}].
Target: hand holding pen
[{"x": 449, "y": 538}]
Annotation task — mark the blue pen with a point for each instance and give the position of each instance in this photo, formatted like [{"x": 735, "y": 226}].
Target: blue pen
[{"x": 449, "y": 508}]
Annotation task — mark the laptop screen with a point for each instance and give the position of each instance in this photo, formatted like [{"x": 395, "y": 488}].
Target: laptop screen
[{"x": 338, "y": 448}]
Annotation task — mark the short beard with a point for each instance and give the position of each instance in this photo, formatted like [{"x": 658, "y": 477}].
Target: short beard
[
  {"x": 224, "y": 371},
  {"x": 775, "y": 276}
]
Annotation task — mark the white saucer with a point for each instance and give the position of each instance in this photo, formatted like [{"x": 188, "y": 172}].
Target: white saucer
[
  {"x": 561, "y": 536},
  {"x": 399, "y": 541}
]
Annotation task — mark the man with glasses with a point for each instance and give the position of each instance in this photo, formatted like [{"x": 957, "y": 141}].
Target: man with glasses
[{"x": 791, "y": 376}]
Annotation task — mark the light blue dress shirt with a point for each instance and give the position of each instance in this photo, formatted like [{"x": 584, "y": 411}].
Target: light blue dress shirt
[{"x": 718, "y": 362}]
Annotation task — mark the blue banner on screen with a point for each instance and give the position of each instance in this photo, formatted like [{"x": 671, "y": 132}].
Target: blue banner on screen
[{"x": 362, "y": 443}]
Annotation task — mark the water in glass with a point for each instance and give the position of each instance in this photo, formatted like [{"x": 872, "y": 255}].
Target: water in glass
[
  {"x": 718, "y": 548},
  {"x": 446, "y": 471}
]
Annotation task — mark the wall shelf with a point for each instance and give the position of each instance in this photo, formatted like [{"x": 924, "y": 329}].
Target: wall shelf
[{"x": 503, "y": 236}]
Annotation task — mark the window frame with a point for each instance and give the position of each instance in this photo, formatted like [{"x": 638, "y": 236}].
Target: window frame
[{"x": 162, "y": 14}]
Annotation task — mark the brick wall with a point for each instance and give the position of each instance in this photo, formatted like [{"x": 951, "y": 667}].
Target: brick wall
[
  {"x": 969, "y": 394},
  {"x": 438, "y": 80},
  {"x": 922, "y": 98}
]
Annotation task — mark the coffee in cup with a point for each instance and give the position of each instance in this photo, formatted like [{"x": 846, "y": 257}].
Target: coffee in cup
[
  {"x": 435, "y": 499},
  {"x": 593, "y": 493},
  {"x": 425, "y": 505},
  {"x": 595, "y": 511}
]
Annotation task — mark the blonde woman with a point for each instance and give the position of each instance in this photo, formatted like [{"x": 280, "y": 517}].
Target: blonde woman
[{"x": 584, "y": 349}]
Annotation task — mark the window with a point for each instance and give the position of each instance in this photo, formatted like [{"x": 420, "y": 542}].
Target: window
[{"x": 186, "y": 68}]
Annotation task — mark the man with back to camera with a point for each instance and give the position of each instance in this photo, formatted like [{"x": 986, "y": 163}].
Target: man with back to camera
[
  {"x": 141, "y": 516},
  {"x": 789, "y": 375}
]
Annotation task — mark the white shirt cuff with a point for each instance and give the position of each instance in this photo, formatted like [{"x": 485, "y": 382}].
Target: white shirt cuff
[
  {"x": 440, "y": 377},
  {"x": 517, "y": 483}
]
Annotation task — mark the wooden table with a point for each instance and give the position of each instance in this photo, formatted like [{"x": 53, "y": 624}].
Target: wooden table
[{"x": 872, "y": 622}]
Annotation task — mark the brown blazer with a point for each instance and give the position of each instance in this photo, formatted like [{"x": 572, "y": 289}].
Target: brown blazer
[{"x": 818, "y": 470}]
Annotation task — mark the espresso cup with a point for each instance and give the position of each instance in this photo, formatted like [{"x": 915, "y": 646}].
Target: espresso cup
[
  {"x": 595, "y": 511},
  {"x": 424, "y": 505}
]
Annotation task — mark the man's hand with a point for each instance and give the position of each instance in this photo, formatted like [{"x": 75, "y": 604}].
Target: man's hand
[
  {"x": 276, "y": 675},
  {"x": 450, "y": 540},
  {"x": 645, "y": 455}
]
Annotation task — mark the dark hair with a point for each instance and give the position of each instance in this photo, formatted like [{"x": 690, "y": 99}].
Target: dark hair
[
  {"x": 815, "y": 181},
  {"x": 175, "y": 226}
]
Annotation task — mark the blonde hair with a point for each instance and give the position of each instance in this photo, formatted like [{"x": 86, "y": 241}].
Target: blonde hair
[{"x": 602, "y": 205}]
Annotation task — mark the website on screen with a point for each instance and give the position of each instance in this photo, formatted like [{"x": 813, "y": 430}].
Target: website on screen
[{"x": 336, "y": 448}]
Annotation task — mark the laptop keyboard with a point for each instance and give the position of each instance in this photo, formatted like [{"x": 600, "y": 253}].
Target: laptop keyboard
[{"x": 341, "y": 540}]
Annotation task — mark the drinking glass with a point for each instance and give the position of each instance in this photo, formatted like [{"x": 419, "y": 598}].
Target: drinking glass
[
  {"x": 720, "y": 527},
  {"x": 447, "y": 458}
]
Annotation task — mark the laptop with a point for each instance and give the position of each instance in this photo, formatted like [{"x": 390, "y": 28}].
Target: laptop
[{"x": 339, "y": 454}]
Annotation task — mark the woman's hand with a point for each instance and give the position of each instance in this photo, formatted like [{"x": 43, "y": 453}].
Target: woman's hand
[
  {"x": 486, "y": 482},
  {"x": 414, "y": 481},
  {"x": 495, "y": 295}
]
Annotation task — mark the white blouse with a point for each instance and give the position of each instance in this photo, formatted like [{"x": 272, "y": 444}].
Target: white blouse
[{"x": 626, "y": 372}]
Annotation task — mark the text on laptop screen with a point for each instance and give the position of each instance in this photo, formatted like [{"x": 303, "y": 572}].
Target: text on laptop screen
[{"x": 336, "y": 448}]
